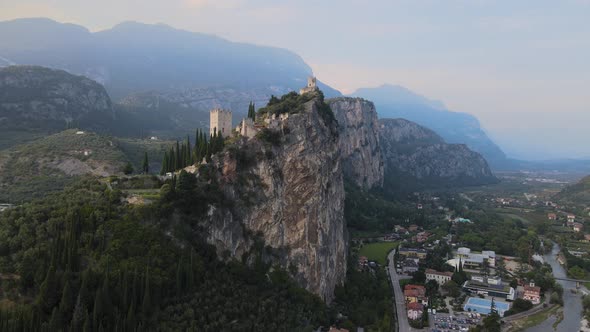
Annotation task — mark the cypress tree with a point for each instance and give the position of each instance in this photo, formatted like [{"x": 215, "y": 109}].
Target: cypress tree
[
  {"x": 67, "y": 302},
  {"x": 146, "y": 163},
  {"x": 164, "y": 169},
  {"x": 47, "y": 299},
  {"x": 178, "y": 156},
  {"x": 188, "y": 152},
  {"x": 79, "y": 315},
  {"x": 146, "y": 304}
]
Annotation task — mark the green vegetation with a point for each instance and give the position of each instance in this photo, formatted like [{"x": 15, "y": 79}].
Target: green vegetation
[
  {"x": 534, "y": 319},
  {"x": 295, "y": 103},
  {"x": 365, "y": 299},
  {"x": 377, "y": 251},
  {"x": 184, "y": 155},
  {"x": 82, "y": 260}
]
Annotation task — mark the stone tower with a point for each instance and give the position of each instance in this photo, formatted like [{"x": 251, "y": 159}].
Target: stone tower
[
  {"x": 311, "y": 85},
  {"x": 221, "y": 120}
]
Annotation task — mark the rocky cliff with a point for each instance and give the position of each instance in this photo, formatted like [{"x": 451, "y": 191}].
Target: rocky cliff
[
  {"x": 42, "y": 98},
  {"x": 416, "y": 157},
  {"x": 359, "y": 141},
  {"x": 286, "y": 188}
]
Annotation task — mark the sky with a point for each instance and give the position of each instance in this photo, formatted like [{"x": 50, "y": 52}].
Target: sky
[{"x": 521, "y": 67}]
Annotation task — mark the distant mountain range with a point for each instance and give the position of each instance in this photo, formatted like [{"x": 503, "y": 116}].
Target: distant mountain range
[
  {"x": 398, "y": 102},
  {"x": 165, "y": 80},
  {"x": 133, "y": 57}
]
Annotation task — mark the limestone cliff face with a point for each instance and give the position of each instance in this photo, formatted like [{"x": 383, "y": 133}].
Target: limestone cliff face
[
  {"x": 37, "y": 97},
  {"x": 418, "y": 157},
  {"x": 286, "y": 187},
  {"x": 362, "y": 161}
]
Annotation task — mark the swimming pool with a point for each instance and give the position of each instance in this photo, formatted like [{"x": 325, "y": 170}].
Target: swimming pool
[{"x": 483, "y": 306}]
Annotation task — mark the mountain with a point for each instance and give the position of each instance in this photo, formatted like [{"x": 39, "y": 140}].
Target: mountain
[
  {"x": 133, "y": 57},
  {"x": 417, "y": 158},
  {"x": 37, "y": 98},
  {"x": 398, "y": 102},
  {"x": 286, "y": 184},
  {"x": 577, "y": 194},
  {"x": 358, "y": 126}
]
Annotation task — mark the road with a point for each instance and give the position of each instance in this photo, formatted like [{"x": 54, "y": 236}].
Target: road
[{"x": 400, "y": 303}]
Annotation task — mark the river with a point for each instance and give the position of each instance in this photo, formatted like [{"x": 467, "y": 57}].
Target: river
[{"x": 572, "y": 303}]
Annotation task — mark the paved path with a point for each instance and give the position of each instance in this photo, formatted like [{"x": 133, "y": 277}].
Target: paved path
[{"x": 400, "y": 303}]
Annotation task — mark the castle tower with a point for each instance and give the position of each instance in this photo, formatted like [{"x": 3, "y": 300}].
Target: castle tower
[
  {"x": 221, "y": 120},
  {"x": 311, "y": 85}
]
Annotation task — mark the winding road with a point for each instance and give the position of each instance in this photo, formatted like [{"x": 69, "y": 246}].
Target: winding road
[{"x": 400, "y": 303}]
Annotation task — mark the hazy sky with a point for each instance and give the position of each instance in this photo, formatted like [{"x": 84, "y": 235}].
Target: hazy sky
[{"x": 521, "y": 66}]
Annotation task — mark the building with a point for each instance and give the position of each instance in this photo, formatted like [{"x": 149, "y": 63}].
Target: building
[
  {"x": 413, "y": 228},
  {"x": 476, "y": 261},
  {"x": 335, "y": 329},
  {"x": 415, "y": 293},
  {"x": 363, "y": 261},
  {"x": 491, "y": 280},
  {"x": 311, "y": 86},
  {"x": 578, "y": 227},
  {"x": 247, "y": 128},
  {"x": 409, "y": 266},
  {"x": 440, "y": 277},
  {"x": 422, "y": 236},
  {"x": 220, "y": 121},
  {"x": 412, "y": 253},
  {"x": 415, "y": 310},
  {"x": 532, "y": 293},
  {"x": 571, "y": 218},
  {"x": 462, "y": 220},
  {"x": 552, "y": 216},
  {"x": 488, "y": 289}
]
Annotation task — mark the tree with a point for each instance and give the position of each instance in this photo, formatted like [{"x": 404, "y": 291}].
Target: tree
[
  {"x": 164, "y": 169},
  {"x": 47, "y": 299},
  {"x": 145, "y": 164},
  {"x": 419, "y": 277},
  {"x": 451, "y": 288},
  {"x": 67, "y": 302},
  {"x": 128, "y": 168}
]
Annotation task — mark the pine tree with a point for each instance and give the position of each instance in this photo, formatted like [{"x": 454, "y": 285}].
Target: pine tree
[{"x": 146, "y": 163}]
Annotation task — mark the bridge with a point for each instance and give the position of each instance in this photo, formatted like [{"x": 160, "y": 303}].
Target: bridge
[{"x": 572, "y": 280}]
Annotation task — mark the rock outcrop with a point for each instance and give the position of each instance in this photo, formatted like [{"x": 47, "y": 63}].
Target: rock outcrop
[
  {"x": 359, "y": 141},
  {"x": 416, "y": 157},
  {"x": 286, "y": 188},
  {"x": 42, "y": 98}
]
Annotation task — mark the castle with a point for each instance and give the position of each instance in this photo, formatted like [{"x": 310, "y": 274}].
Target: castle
[
  {"x": 311, "y": 86},
  {"x": 220, "y": 120}
]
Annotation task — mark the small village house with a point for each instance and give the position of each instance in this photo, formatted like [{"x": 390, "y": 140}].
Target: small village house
[
  {"x": 415, "y": 310},
  {"x": 532, "y": 293}
]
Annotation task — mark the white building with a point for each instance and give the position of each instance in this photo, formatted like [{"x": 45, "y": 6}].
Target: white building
[{"x": 440, "y": 277}]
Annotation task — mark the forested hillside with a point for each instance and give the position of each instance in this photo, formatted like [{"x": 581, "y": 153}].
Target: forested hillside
[{"x": 82, "y": 260}]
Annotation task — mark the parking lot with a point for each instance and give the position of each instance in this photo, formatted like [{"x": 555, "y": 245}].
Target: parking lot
[{"x": 442, "y": 322}]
